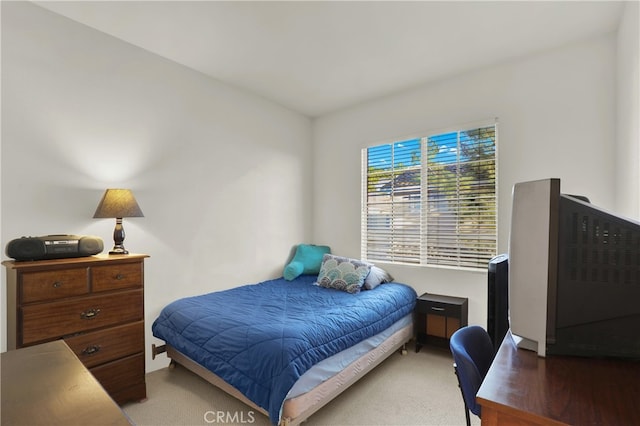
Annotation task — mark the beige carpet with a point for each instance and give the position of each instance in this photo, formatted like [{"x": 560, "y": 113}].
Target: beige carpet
[{"x": 414, "y": 389}]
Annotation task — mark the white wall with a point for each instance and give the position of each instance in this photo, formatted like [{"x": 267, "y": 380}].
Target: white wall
[
  {"x": 628, "y": 113},
  {"x": 221, "y": 175},
  {"x": 556, "y": 119}
]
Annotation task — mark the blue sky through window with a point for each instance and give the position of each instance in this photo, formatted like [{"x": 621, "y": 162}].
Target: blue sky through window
[{"x": 406, "y": 153}]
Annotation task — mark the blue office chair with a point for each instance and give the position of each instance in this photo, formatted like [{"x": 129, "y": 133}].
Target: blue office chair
[{"x": 473, "y": 353}]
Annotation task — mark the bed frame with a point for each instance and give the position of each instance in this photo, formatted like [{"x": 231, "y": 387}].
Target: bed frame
[{"x": 298, "y": 409}]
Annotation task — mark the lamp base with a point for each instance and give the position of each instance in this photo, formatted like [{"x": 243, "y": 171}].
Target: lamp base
[
  {"x": 118, "y": 251},
  {"x": 118, "y": 238}
]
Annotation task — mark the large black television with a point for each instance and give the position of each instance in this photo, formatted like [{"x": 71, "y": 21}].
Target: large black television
[{"x": 574, "y": 275}]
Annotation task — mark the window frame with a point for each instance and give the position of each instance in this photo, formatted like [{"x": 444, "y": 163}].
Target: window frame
[{"x": 391, "y": 255}]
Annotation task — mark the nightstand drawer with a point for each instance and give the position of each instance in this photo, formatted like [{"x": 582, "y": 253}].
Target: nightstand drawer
[
  {"x": 51, "y": 285},
  {"x": 97, "y": 347},
  {"x": 439, "y": 308},
  {"x": 113, "y": 277},
  {"x": 50, "y": 320}
]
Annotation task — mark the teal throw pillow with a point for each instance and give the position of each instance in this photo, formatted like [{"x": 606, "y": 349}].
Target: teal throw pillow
[{"x": 307, "y": 260}]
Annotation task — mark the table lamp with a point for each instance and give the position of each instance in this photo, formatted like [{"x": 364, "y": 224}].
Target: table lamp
[{"x": 118, "y": 203}]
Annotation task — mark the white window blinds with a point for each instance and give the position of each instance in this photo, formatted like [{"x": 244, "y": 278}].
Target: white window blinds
[{"x": 431, "y": 200}]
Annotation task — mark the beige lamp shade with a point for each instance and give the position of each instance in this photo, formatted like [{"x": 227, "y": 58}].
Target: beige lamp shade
[{"x": 118, "y": 203}]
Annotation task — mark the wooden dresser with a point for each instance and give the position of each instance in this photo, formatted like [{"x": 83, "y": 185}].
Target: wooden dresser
[{"x": 96, "y": 304}]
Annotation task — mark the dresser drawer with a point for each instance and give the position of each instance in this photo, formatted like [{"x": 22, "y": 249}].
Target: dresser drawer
[
  {"x": 55, "y": 284},
  {"x": 47, "y": 321},
  {"x": 114, "y": 277},
  {"x": 119, "y": 375},
  {"x": 97, "y": 347}
]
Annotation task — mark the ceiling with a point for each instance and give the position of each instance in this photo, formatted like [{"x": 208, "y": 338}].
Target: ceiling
[{"x": 316, "y": 57}]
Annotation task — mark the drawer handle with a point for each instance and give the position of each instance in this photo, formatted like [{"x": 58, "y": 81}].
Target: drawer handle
[
  {"x": 119, "y": 277},
  {"x": 435, "y": 308},
  {"x": 57, "y": 284},
  {"x": 90, "y": 313},
  {"x": 91, "y": 350}
]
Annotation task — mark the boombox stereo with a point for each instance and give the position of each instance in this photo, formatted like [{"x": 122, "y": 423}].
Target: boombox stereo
[{"x": 53, "y": 247}]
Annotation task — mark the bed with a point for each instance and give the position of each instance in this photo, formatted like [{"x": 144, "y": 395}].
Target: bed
[{"x": 286, "y": 347}]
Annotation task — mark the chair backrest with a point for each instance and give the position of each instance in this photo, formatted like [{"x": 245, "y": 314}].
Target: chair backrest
[{"x": 473, "y": 353}]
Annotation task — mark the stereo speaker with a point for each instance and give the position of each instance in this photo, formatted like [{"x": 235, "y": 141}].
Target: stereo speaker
[
  {"x": 26, "y": 248},
  {"x": 88, "y": 246},
  {"x": 498, "y": 299}
]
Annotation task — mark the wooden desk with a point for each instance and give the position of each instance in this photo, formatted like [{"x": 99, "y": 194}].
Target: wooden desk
[
  {"x": 522, "y": 388},
  {"x": 48, "y": 385}
]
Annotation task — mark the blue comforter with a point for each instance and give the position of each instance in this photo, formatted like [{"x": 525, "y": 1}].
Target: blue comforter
[{"x": 261, "y": 338}]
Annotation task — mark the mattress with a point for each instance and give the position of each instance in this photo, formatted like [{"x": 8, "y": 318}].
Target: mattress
[
  {"x": 331, "y": 366},
  {"x": 298, "y": 407}
]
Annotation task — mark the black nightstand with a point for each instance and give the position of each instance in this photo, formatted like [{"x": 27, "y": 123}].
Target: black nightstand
[{"x": 438, "y": 317}]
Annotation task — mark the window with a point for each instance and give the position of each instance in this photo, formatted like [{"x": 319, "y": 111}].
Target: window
[{"x": 431, "y": 200}]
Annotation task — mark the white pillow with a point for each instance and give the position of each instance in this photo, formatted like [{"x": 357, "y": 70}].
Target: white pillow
[{"x": 376, "y": 277}]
